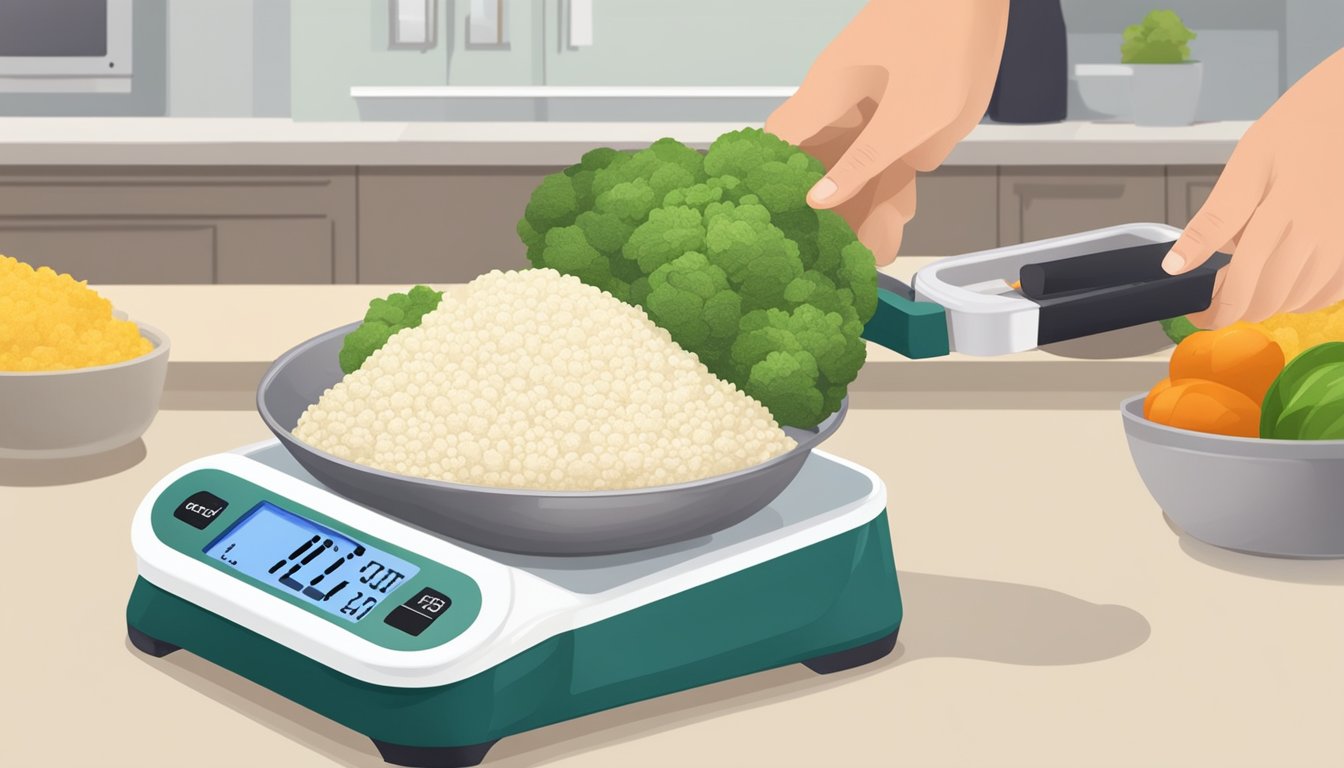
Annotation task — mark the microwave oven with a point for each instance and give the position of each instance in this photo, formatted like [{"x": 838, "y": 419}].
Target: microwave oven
[{"x": 70, "y": 46}]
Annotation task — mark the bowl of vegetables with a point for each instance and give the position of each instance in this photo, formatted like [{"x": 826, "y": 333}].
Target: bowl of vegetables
[
  {"x": 77, "y": 378},
  {"x": 1242, "y": 446}
]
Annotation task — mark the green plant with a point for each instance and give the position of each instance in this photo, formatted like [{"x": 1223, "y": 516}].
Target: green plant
[
  {"x": 1306, "y": 401},
  {"x": 1161, "y": 38},
  {"x": 383, "y": 319},
  {"x": 722, "y": 251}
]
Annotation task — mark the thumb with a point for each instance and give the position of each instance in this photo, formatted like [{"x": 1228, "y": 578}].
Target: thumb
[{"x": 1234, "y": 198}]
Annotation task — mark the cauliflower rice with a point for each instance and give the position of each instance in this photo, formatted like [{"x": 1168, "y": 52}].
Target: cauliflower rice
[{"x": 534, "y": 380}]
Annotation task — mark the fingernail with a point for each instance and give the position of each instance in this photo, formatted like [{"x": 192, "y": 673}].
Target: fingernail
[
  {"x": 823, "y": 189},
  {"x": 1172, "y": 263}
]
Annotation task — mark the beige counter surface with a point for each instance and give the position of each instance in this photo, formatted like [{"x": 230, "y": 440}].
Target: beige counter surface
[
  {"x": 224, "y": 337},
  {"x": 92, "y": 141},
  {"x": 1052, "y": 619}
]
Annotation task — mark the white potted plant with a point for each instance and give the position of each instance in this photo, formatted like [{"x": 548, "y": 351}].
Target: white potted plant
[{"x": 1166, "y": 83}]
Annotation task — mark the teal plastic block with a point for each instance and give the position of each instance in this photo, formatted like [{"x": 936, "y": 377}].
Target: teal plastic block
[{"x": 914, "y": 329}]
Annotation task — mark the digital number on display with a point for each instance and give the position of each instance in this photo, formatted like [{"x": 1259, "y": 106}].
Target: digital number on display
[{"x": 337, "y": 574}]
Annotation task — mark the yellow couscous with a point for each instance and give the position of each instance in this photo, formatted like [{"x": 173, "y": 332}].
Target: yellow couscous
[
  {"x": 52, "y": 322},
  {"x": 1297, "y": 333}
]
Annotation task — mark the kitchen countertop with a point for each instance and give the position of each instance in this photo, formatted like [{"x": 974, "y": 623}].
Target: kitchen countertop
[
  {"x": 1052, "y": 619},
  {"x": 219, "y": 353},
  {"x": 272, "y": 141}
]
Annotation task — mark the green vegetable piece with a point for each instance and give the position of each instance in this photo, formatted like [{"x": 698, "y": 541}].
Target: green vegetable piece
[
  {"x": 568, "y": 251},
  {"x": 696, "y": 196},
  {"x": 693, "y": 301},
  {"x": 782, "y": 186},
  {"x": 668, "y": 233},
  {"x": 703, "y": 242},
  {"x": 1178, "y": 328},
  {"x": 1304, "y": 401},
  {"x": 554, "y": 203},
  {"x": 858, "y": 275},
  {"x": 785, "y": 380},
  {"x": 533, "y": 239},
  {"x": 1161, "y": 38},
  {"x": 830, "y": 342},
  {"x": 629, "y": 200},
  {"x": 1325, "y": 420},
  {"x": 604, "y": 231},
  {"x": 384, "y": 319},
  {"x": 756, "y": 255}
]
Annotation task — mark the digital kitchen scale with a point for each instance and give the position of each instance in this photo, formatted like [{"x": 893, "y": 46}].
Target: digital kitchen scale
[{"x": 436, "y": 649}]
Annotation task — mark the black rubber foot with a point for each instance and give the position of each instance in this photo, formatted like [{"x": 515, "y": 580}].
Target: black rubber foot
[
  {"x": 433, "y": 757},
  {"x": 146, "y": 644},
  {"x": 854, "y": 657}
]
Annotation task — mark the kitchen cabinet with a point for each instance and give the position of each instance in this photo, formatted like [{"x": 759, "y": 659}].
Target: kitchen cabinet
[
  {"x": 1036, "y": 203},
  {"x": 403, "y": 224},
  {"x": 441, "y": 225},
  {"x": 702, "y": 43},
  {"x": 956, "y": 211},
  {"x": 1187, "y": 189},
  {"x": 182, "y": 224}
]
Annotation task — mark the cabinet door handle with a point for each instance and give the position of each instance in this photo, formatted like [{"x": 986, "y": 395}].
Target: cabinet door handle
[
  {"x": 487, "y": 22},
  {"x": 580, "y": 23}
]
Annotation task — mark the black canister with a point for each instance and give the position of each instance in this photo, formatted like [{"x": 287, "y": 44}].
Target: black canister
[{"x": 1033, "y": 82}]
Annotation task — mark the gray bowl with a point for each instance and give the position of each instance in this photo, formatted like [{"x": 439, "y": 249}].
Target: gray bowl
[
  {"x": 1283, "y": 498},
  {"x": 565, "y": 523},
  {"x": 83, "y": 411}
]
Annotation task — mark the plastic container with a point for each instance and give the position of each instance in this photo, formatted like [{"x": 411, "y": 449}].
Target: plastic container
[{"x": 986, "y": 320}]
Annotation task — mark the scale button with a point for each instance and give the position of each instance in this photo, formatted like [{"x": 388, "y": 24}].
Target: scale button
[
  {"x": 416, "y": 614},
  {"x": 200, "y": 509}
]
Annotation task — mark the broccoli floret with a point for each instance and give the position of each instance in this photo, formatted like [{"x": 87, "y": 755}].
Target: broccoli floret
[
  {"x": 756, "y": 255},
  {"x": 383, "y": 319},
  {"x": 568, "y": 251},
  {"x": 858, "y": 274},
  {"x": 693, "y": 301},
  {"x": 786, "y": 383},
  {"x": 666, "y": 165},
  {"x": 821, "y": 340},
  {"x": 782, "y": 186},
  {"x": 833, "y": 234},
  {"x": 553, "y": 204},
  {"x": 629, "y": 200},
  {"x": 604, "y": 231},
  {"x": 738, "y": 153},
  {"x": 696, "y": 196},
  {"x": 723, "y": 251},
  {"x": 800, "y": 226},
  {"x": 669, "y": 233},
  {"x": 817, "y": 290}
]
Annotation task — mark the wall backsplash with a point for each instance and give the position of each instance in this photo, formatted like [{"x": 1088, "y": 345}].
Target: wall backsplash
[{"x": 301, "y": 57}]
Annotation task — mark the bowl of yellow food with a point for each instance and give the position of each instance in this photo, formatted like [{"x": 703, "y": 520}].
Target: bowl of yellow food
[{"x": 76, "y": 378}]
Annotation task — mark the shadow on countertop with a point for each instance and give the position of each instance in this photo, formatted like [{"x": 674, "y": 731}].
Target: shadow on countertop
[
  {"x": 945, "y": 617},
  {"x": 52, "y": 472},
  {"x": 1137, "y": 341},
  {"x": 1290, "y": 569}
]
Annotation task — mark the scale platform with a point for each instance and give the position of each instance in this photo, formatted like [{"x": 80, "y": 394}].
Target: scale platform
[{"x": 435, "y": 649}]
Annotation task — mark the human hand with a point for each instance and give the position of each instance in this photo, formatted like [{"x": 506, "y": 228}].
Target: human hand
[
  {"x": 890, "y": 96},
  {"x": 1278, "y": 209}
]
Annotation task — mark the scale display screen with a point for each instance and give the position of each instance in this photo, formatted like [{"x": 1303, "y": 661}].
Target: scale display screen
[{"x": 333, "y": 572}]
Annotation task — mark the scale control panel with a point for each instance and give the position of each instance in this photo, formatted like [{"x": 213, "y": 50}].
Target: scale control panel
[{"x": 372, "y": 588}]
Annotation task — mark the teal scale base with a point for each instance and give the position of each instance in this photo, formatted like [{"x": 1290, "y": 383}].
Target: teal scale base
[{"x": 832, "y": 606}]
